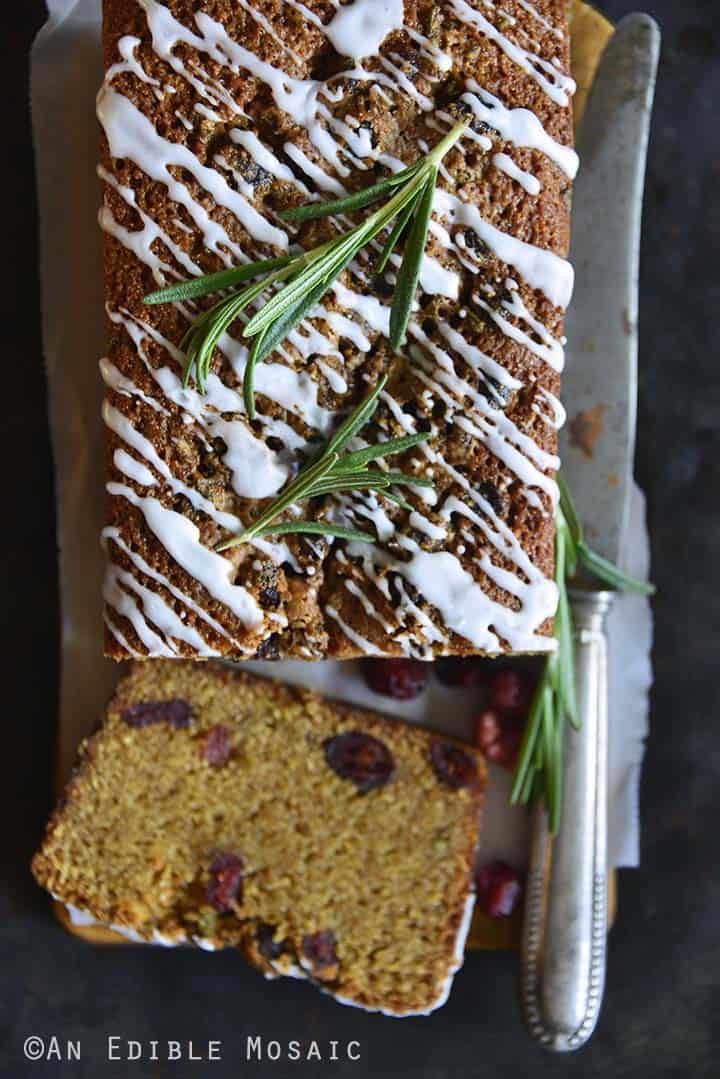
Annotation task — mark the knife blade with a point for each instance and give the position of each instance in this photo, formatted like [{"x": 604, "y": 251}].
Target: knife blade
[
  {"x": 565, "y": 926},
  {"x": 600, "y": 382}
]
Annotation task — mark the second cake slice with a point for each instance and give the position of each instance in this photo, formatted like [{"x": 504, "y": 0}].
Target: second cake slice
[{"x": 219, "y": 808}]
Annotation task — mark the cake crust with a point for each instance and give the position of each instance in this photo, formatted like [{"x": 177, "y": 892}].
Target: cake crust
[
  {"x": 201, "y": 147},
  {"x": 320, "y": 840}
]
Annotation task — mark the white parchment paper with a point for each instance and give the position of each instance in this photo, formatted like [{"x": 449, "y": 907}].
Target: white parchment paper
[{"x": 66, "y": 73}]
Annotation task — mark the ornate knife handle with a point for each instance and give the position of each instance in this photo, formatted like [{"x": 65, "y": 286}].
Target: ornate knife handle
[{"x": 565, "y": 930}]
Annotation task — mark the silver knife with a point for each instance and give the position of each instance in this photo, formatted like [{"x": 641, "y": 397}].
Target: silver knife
[{"x": 565, "y": 930}]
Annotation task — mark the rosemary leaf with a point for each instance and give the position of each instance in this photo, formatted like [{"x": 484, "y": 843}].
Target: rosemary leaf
[
  {"x": 222, "y": 315},
  {"x": 407, "y": 478},
  {"x": 568, "y": 510},
  {"x": 249, "y": 375},
  {"x": 360, "y": 458},
  {"x": 321, "y": 270},
  {"x": 392, "y": 497},
  {"x": 396, "y": 232},
  {"x": 538, "y": 774},
  {"x": 325, "y": 475},
  {"x": 309, "y": 274},
  {"x": 348, "y": 203},
  {"x": 215, "y": 282},
  {"x": 270, "y": 337},
  {"x": 610, "y": 574},
  {"x": 320, "y": 528},
  {"x": 409, "y": 273},
  {"x": 357, "y": 419}
]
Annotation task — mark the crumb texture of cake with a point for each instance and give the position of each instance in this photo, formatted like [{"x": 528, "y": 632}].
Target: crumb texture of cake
[
  {"x": 216, "y": 116},
  {"x": 221, "y": 809}
]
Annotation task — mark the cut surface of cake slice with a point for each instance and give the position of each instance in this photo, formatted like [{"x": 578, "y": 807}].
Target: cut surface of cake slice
[
  {"x": 221, "y": 809},
  {"x": 216, "y": 118}
]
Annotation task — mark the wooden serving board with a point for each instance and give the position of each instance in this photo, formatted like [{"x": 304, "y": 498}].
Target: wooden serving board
[{"x": 590, "y": 33}]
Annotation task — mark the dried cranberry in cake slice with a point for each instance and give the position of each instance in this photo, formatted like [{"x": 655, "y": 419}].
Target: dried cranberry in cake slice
[
  {"x": 318, "y": 954},
  {"x": 224, "y": 887},
  {"x": 359, "y": 757},
  {"x": 176, "y": 713},
  {"x": 454, "y": 767},
  {"x": 321, "y": 841},
  {"x": 216, "y": 746}
]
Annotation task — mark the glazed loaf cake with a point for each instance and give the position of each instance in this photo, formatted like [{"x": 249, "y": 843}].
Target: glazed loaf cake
[
  {"x": 216, "y": 116},
  {"x": 219, "y": 808}
]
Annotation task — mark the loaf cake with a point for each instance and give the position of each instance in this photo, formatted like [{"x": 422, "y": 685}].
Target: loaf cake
[
  {"x": 218, "y": 808},
  {"x": 217, "y": 116}
]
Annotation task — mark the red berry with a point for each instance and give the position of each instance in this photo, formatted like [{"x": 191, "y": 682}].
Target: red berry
[
  {"x": 463, "y": 672},
  {"x": 217, "y": 746},
  {"x": 499, "y": 888},
  {"x": 511, "y": 692},
  {"x": 225, "y": 884},
  {"x": 402, "y": 679},
  {"x": 453, "y": 766},
  {"x": 320, "y": 949},
  {"x": 499, "y": 738},
  {"x": 487, "y": 729},
  {"x": 361, "y": 758}
]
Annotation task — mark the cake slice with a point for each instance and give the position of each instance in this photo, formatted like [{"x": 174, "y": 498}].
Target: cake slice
[
  {"x": 218, "y": 116},
  {"x": 221, "y": 809}
]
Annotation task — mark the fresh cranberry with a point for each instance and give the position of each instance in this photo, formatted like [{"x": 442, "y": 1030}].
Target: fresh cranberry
[
  {"x": 499, "y": 888},
  {"x": 401, "y": 679},
  {"x": 461, "y": 672},
  {"x": 511, "y": 692},
  {"x": 499, "y": 738}
]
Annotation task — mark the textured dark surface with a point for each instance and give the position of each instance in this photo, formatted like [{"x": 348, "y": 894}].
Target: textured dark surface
[{"x": 661, "y": 1017}]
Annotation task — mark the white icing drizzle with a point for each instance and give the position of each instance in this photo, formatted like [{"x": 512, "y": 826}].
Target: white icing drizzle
[
  {"x": 116, "y": 380},
  {"x": 521, "y": 127},
  {"x": 127, "y": 46},
  {"x": 131, "y": 134},
  {"x": 548, "y": 348},
  {"x": 357, "y": 30},
  {"x": 541, "y": 269},
  {"x": 530, "y": 183},
  {"x": 181, "y": 539},
  {"x": 133, "y": 469},
  {"x": 352, "y": 635},
  {"x": 557, "y": 415},
  {"x": 556, "y": 85},
  {"x": 119, "y": 600},
  {"x": 545, "y": 23},
  {"x": 155, "y": 610},
  {"x": 367, "y": 606},
  {"x": 121, "y": 638},
  {"x": 112, "y": 533}
]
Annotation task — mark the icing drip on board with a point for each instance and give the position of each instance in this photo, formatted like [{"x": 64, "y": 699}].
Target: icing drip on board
[{"x": 356, "y": 31}]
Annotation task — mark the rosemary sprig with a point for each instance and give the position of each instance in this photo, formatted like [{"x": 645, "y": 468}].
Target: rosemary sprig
[
  {"x": 335, "y": 472},
  {"x": 538, "y": 774},
  {"x": 306, "y": 277}
]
